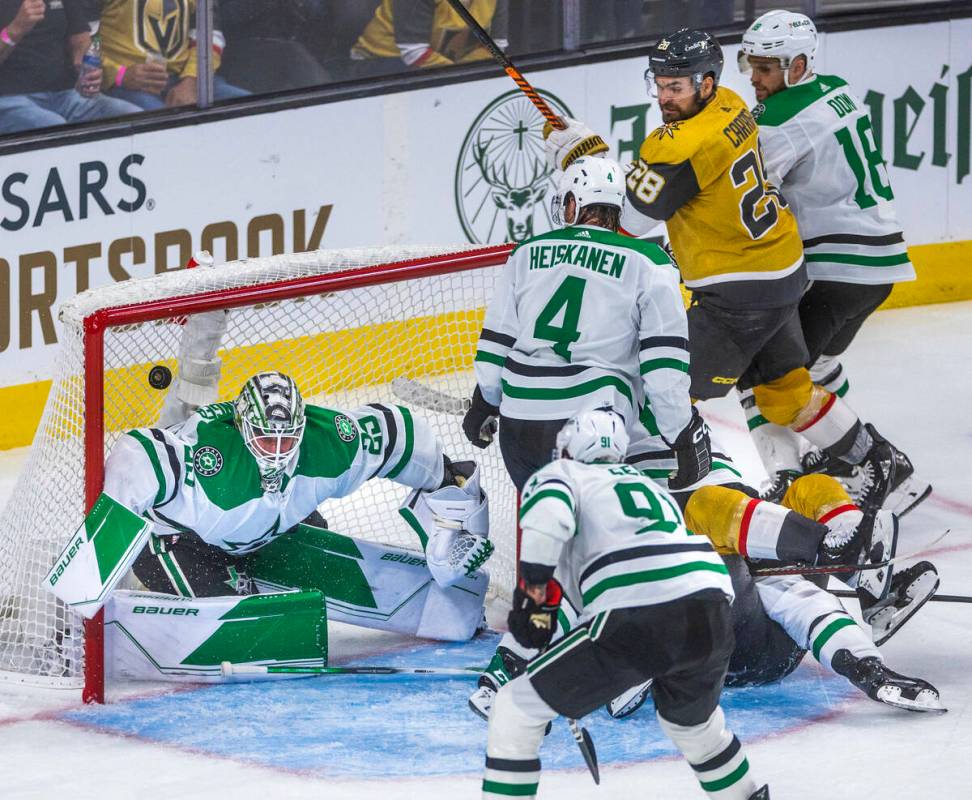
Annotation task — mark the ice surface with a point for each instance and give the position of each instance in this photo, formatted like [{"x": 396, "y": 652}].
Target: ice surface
[{"x": 812, "y": 736}]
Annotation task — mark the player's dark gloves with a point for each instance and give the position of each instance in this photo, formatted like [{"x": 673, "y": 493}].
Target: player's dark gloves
[
  {"x": 533, "y": 624},
  {"x": 693, "y": 452},
  {"x": 479, "y": 424}
]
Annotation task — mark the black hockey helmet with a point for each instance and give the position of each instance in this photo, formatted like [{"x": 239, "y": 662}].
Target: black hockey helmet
[{"x": 685, "y": 53}]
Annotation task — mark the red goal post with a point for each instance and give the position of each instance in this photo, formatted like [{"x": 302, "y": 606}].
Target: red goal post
[{"x": 403, "y": 311}]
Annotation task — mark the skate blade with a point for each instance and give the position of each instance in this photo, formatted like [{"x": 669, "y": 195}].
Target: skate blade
[
  {"x": 926, "y": 701},
  {"x": 887, "y": 622},
  {"x": 908, "y": 496},
  {"x": 629, "y": 701}
]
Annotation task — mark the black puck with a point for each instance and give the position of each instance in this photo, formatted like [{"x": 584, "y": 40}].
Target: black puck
[{"x": 160, "y": 376}]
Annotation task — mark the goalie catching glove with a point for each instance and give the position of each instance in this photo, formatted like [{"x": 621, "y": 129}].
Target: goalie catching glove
[
  {"x": 453, "y": 523},
  {"x": 533, "y": 623},
  {"x": 693, "y": 452},
  {"x": 576, "y": 140}
]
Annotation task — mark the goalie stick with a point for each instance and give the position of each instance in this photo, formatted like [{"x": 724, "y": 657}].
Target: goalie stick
[
  {"x": 586, "y": 745},
  {"x": 229, "y": 669},
  {"x": 503, "y": 60},
  {"x": 812, "y": 569},
  {"x": 422, "y": 396}
]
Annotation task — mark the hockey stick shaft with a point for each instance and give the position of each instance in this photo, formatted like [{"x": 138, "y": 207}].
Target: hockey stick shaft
[
  {"x": 504, "y": 61},
  {"x": 257, "y": 669},
  {"x": 935, "y": 598},
  {"x": 836, "y": 569}
]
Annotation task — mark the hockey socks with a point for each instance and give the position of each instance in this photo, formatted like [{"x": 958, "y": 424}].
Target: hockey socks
[{"x": 716, "y": 756}]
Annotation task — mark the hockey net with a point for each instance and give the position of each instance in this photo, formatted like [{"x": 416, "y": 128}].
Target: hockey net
[{"x": 350, "y": 326}]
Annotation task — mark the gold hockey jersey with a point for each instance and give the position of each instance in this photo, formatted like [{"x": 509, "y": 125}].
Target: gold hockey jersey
[
  {"x": 132, "y": 31},
  {"x": 731, "y": 231}
]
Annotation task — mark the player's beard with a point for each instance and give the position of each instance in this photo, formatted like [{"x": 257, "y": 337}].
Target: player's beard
[{"x": 672, "y": 112}]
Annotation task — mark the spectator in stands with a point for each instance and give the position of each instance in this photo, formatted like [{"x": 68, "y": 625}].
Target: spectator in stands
[
  {"x": 265, "y": 48},
  {"x": 149, "y": 51},
  {"x": 41, "y": 46},
  {"x": 425, "y": 33}
]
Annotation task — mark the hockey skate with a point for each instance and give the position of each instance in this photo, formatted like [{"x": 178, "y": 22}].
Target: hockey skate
[
  {"x": 502, "y": 668},
  {"x": 906, "y": 490},
  {"x": 875, "y": 539},
  {"x": 629, "y": 701},
  {"x": 910, "y": 590},
  {"x": 761, "y": 794},
  {"x": 872, "y": 677},
  {"x": 779, "y": 482}
]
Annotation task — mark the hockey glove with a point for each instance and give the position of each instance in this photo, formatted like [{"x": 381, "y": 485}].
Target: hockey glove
[
  {"x": 574, "y": 141},
  {"x": 531, "y": 623},
  {"x": 693, "y": 452},
  {"x": 479, "y": 424}
]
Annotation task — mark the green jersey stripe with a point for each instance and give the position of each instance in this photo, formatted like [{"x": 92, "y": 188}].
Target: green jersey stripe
[
  {"x": 827, "y": 633},
  {"x": 664, "y": 363},
  {"x": 567, "y": 392},
  {"x": 651, "y": 576},
  {"x": 174, "y": 571},
  {"x": 756, "y": 421},
  {"x": 490, "y": 358},
  {"x": 860, "y": 261},
  {"x": 511, "y": 789},
  {"x": 554, "y": 493},
  {"x": 729, "y": 780},
  {"x": 409, "y": 442},
  {"x": 564, "y": 644},
  {"x": 156, "y": 464},
  {"x": 723, "y": 465}
]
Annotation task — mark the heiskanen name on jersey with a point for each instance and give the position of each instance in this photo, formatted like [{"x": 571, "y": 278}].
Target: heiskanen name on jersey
[
  {"x": 618, "y": 540},
  {"x": 545, "y": 352},
  {"x": 817, "y": 143}
]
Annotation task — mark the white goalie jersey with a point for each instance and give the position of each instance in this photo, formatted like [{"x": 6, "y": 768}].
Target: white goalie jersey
[
  {"x": 818, "y": 147},
  {"x": 581, "y": 318},
  {"x": 198, "y": 477},
  {"x": 616, "y": 538}
]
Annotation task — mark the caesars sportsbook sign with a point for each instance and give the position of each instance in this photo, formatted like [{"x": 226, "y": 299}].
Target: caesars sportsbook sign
[{"x": 451, "y": 164}]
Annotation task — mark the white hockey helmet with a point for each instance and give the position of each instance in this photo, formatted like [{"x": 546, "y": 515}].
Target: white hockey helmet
[
  {"x": 783, "y": 35},
  {"x": 269, "y": 414},
  {"x": 593, "y": 436},
  {"x": 592, "y": 181}
]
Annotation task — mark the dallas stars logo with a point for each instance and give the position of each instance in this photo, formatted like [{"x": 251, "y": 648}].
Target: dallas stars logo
[
  {"x": 207, "y": 461},
  {"x": 345, "y": 428}
]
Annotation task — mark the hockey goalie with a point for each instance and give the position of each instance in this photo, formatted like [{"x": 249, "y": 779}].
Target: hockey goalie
[{"x": 217, "y": 517}]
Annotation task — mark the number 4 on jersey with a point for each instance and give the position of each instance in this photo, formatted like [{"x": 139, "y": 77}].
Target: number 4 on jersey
[{"x": 568, "y": 297}]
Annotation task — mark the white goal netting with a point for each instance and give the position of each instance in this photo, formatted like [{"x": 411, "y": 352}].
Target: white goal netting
[{"x": 344, "y": 348}]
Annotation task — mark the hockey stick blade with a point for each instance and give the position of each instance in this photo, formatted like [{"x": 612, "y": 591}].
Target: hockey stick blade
[
  {"x": 422, "y": 396},
  {"x": 229, "y": 669},
  {"x": 836, "y": 569},
  {"x": 586, "y": 745}
]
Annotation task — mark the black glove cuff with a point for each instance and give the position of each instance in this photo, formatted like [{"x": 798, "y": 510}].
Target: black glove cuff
[{"x": 535, "y": 573}]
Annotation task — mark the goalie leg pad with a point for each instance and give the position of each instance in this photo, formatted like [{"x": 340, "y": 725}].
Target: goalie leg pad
[
  {"x": 452, "y": 524},
  {"x": 151, "y": 636},
  {"x": 370, "y": 584}
]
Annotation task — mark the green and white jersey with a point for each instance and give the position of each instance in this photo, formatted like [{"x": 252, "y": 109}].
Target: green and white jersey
[
  {"x": 617, "y": 539},
  {"x": 583, "y": 317},
  {"x": 818, "y": 147},
  {"x": 199, "y": 476}
]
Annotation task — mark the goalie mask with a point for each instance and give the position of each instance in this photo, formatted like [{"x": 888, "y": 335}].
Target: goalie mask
[
  {"x": 593, "y": 182},
  {"x": 783, "y": 35},
  {"x": 594, "y": 436},
  {"x": 269, "y": 414}
]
